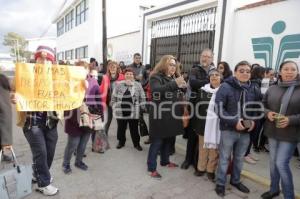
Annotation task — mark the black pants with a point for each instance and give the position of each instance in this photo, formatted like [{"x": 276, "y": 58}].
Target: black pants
[
  {"x": 191, "y": 155},
  {"x": 109, "y": 118},
  {"x": 134, "y": 131}
]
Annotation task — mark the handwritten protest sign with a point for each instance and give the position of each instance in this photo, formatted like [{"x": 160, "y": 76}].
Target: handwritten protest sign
[{"x": 47, "y": 87}]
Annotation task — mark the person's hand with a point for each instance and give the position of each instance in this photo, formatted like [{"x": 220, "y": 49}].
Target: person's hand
[
  {"x": 13, "y": 98},
  {"x": 271, "y": 116},
  {"x": 252, "y": 126},
  {"x": 128, "y": 82},
  {"x": 239, "y": 126},
  {"x": 283, "y": 122},
  {"x": 180, "y": 82}
]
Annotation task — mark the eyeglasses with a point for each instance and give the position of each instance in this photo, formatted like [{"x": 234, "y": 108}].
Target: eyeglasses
[
  {"x": 244, "y": 71},
  {"x": 214, "y": 74},
  {"x": 174, "y": 65}
]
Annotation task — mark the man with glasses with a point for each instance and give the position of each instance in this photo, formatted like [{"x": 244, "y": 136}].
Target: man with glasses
[
  {"x": 234, "y": 104},
  {"x": 198, "y": 78}
]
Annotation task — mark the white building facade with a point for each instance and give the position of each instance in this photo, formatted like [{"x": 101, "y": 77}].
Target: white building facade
[
  {"x": 79, "y": 31},
  {"x": 259, "y": 31}
]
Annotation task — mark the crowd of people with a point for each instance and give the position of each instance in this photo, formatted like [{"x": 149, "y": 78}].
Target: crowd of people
[{"x": 223, "y": 114}]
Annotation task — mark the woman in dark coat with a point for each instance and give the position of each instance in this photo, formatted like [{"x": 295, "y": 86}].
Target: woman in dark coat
[
  {"x": 79, "y": 136},
  {"x": 165, "y": 85},
  {"x": 5, "y": 116},
  {"x": 282, "y": 127}
]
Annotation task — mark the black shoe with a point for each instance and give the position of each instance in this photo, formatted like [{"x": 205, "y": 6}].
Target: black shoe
[
  {"x": 269, "y": 195},
  {"x": 241, "y": 187},
  {"x": 81, "y": 165},
  {"x": 199, "y": 173},
  {"x": 120, "y": 145},
  {"x": 211, "y": 176},
  {"x": 138, "y": 147},
  {"x": 67, "y": 169},
  {"x": 220, "y": 190},
  {"x": 185, "y": 165}
]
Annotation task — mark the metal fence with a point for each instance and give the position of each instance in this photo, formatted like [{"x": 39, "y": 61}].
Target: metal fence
[{"x": 184, "y": 37}]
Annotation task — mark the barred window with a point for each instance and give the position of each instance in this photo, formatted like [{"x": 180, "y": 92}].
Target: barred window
[
  {"x": 81, "y": 12},
  {"x": 69, "y": 54},
  {"x": 69, "y": 21},
  {"x": 60, "y": 56},
  {"x": 60, "y": 27},
  {"x": 81, "y": 52}
]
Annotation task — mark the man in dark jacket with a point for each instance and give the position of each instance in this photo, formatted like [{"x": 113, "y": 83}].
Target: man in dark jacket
[
  {"x": 5, "y": 116},
  {"x": 233, "y": 98},
  {"x": 139, "y": 69},
  {"x": 197, "y": 79}
]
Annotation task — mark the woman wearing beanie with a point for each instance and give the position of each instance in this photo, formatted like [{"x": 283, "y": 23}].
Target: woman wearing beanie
[{"x": 40, "y": 130}]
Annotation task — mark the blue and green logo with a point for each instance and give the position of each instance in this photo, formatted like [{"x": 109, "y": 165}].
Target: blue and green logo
[{"x": 289, "y": 47}]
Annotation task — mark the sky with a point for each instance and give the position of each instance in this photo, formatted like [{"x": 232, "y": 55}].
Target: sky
[{"x": 30, "y": 18}]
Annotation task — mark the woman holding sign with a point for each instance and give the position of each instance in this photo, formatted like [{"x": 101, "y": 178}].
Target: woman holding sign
[
  {"x": 282, "y": 128},
  {"x": 40, "y": 130}
]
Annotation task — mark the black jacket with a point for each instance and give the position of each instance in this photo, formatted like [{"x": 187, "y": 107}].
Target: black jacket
[
  {"x": 165, "y": 94},
  {"x": 5, "y": 112},
  {"x": 197, "y": 122}
]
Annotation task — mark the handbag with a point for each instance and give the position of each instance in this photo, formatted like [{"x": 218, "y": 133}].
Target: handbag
[
  {"x": 15, "y": 182},
  {"x": 90, "y": 120},
  {"x": 143, "y": 129},
  {"x": 100, "y": 143}
]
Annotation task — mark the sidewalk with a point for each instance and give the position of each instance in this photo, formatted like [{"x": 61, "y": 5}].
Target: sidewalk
[
  {"x": 121, "y": 174},
  {"x": 260, "y": 172}
]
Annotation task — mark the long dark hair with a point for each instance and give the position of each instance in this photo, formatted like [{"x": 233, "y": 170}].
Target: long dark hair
[
  {"x": 258, "y": 72},
  {"x": 227, "y": 71}
]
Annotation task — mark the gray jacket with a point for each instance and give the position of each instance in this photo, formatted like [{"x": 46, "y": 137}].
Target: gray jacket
[
  {"x": 138, "y": 98},
  {"x": 272, "y": 102},
  {"x": 5, "y": 112}
]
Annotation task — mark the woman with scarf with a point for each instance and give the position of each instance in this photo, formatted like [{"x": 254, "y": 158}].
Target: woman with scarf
[
  {"x": 282, "y": 127},
  {"x": 207, "y": 126},
  {"x": 127, "y": 100}
]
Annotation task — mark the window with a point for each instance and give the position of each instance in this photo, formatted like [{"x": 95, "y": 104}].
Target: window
[
  {"x": 69, "y": 54},
  {"x": 69, "y": 21},
  {"x": 81, "y": 12},
  {"x": 81, "y": 52},
  {"x": 60, "y": 27},
  {"x": 60, "y": 56}
]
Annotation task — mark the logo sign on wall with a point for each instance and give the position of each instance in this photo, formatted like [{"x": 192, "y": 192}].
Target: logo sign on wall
[{"x": 289, "y": 47}]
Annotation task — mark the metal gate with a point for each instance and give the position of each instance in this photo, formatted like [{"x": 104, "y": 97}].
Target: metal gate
[{"x": 183, "y": 37}]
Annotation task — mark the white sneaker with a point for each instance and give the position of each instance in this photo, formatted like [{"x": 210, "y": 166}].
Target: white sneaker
[{"x": 49, "y": 190}]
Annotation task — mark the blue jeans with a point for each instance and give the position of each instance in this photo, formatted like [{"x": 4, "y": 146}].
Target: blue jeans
[
  {"x": 237, "y": 144},
  {"x": 280, "y": 155},
  {"x": 42, "y": 142},
  {"x": 158, "y": 144},
  {"x": 77, "y": 143}
]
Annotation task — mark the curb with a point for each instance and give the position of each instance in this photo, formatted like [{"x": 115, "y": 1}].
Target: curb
[
  {"x": 261, "y": 180},
  {"x": 247, "y": 174}
]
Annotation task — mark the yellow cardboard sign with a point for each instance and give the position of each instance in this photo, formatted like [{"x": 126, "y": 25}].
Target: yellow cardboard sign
[{"x": 47, "y": 87}]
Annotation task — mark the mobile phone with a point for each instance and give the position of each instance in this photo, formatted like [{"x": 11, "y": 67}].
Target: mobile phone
[{"x": 247, "y": 123}]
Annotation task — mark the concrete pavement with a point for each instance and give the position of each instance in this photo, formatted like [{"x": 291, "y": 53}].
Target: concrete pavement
[{"x": 122, "y": 174}]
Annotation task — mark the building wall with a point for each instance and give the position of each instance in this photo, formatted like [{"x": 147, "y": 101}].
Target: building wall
[
  {"x": 88, "y": 33},
  {"x": 122, "y": 48},
  {"x": 257, "y": 23}
]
